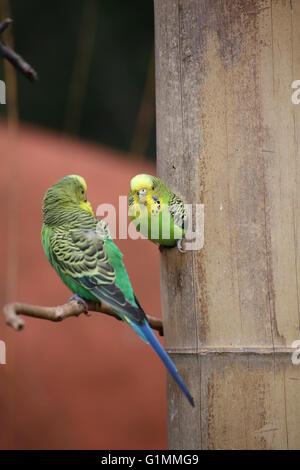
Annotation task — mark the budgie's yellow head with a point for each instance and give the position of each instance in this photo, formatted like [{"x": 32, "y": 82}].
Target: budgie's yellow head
[
  {"x": 68, "y": 192},
  {"x": 80, "y": 188},
  {"x": 142, "y": 188}
]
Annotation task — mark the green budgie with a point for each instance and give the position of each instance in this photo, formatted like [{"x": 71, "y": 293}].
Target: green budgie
[
  {"x": 156, "y": 211},
  {"x": 81, "y": 250}
]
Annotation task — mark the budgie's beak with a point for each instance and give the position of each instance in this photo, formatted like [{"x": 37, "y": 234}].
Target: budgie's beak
[
  {"x": 142, "y": 195},
  {"x": 86, "y": 205}
]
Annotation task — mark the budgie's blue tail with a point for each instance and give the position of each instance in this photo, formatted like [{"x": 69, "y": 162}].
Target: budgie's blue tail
[{"x": 153, "y": 341}]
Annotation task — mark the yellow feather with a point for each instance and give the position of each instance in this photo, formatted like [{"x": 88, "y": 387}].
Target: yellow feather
[
  {"x": 140, "y": 182},
  {"x": 81, "y": 181},
  {"x": 87, "y": 207}
]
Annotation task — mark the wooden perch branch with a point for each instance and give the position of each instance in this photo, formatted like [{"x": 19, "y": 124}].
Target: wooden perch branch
[
  {"x": 13, "y": 311},
  {"x": 15, "y": 59}
]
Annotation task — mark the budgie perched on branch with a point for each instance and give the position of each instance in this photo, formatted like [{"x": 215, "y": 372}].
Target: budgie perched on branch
[
  {"x": 81, "y": 250},
  {"x": 156, "y": 211}
]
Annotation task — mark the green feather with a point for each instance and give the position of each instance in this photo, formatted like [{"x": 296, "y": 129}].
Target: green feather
[
  {"x": 162, "y": 217},
  {"x": 80, "y": 249}
]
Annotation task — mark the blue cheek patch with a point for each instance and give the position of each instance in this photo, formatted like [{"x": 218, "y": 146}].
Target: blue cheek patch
[
  {"x": 154, "y": 198},
  {"x": 131, "y": 200}
]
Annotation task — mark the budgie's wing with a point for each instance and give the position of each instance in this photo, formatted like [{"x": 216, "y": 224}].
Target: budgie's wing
[
  {"x": 177, "y": 210},
  {"x": 130, "y": 199},
  {"x": 81, "y": 255}
]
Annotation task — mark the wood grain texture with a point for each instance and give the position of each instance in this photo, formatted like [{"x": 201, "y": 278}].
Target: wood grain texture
[{"x": 228, "y": 138}]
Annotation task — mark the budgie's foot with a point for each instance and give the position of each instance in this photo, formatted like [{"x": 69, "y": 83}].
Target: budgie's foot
[
  {"x": 80, "y": 301},
  {"x": 180, "y": 245}
]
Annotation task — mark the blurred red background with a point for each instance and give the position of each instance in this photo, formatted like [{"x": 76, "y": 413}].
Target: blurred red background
[{"x": 88, "y": 382}]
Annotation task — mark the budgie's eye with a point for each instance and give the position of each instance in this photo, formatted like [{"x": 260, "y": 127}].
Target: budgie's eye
[
  {"x": 82, "y": 192},
  {"x": 152, "y": 188}
]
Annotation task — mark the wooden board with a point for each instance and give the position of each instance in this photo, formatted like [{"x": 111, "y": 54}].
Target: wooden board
[{"x": 228, "y": 138}]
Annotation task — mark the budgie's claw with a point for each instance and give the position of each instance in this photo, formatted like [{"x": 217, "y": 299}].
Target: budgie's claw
[
  {"x": 80, "y": 301},
  {"x": 180, "y": 245}
]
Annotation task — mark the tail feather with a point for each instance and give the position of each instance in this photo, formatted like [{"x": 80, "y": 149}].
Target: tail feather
[{"x": 153, "y": 341}]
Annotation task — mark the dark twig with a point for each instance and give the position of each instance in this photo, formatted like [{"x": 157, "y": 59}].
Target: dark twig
[
  {"x": 13, "y": 311},
  {"x": 15, "y": 59},
  {"x": 5, "y": 23}
]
